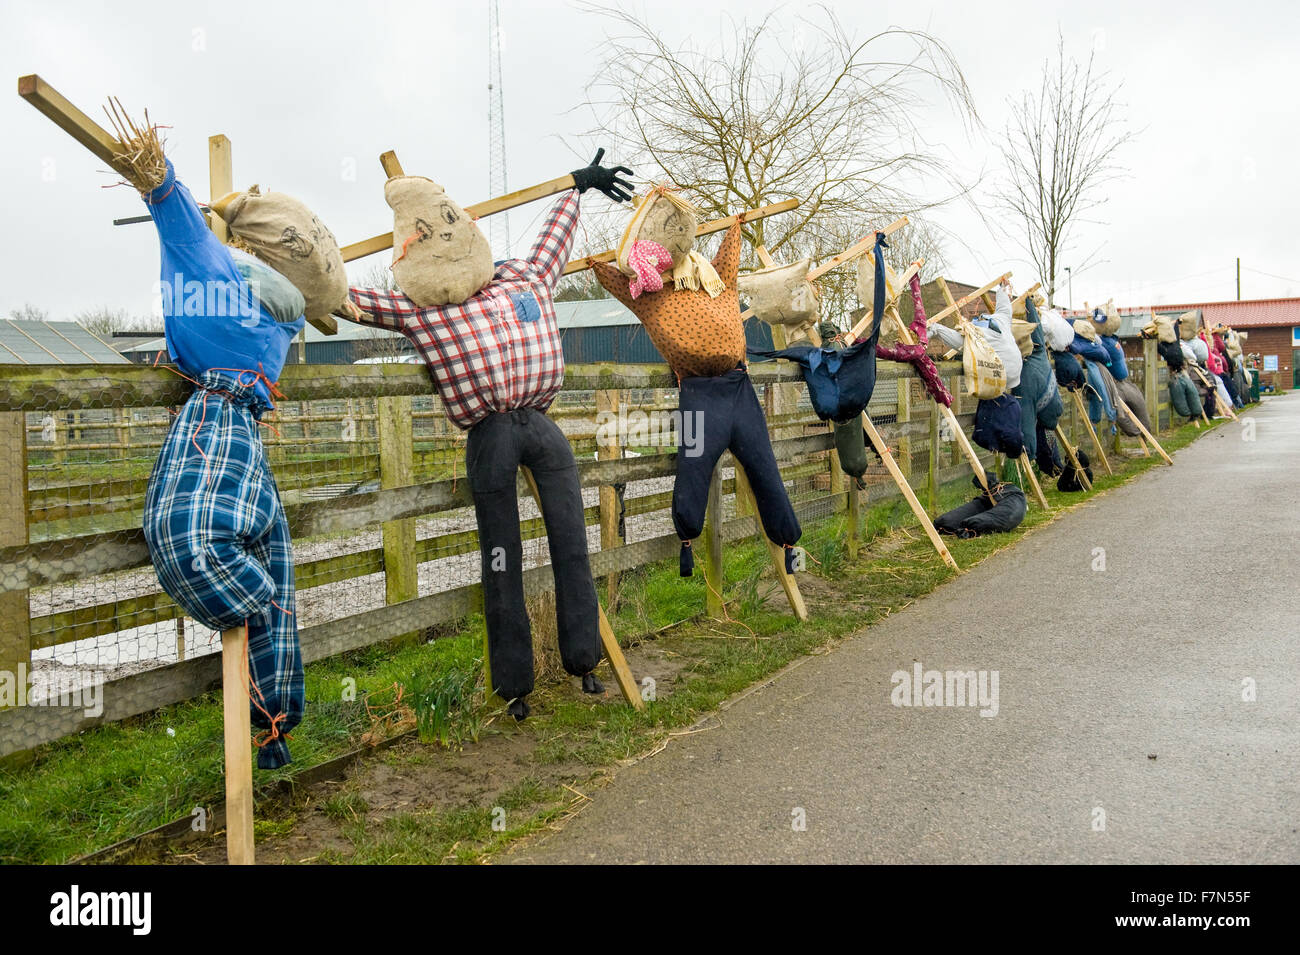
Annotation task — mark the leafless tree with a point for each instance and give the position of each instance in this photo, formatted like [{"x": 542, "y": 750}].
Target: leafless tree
[
  {"x": 1059, "y": 151},
  {"x": 773, "y": 111},
  {"x": 104, "y": 321},
  {"x": 29, "y": 313}
]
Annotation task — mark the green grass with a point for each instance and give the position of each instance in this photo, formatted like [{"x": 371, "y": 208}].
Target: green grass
[{"x": 89, "y": 791}]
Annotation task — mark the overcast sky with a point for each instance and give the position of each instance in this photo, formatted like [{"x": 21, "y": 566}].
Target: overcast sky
[{"x": 311, "y": 93}]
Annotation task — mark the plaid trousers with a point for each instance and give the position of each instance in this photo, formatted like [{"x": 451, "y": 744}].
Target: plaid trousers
[{"x": 220, "y": 544}]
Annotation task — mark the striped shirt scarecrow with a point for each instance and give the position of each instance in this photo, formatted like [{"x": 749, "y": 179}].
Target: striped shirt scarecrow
[{"x": 488, "y": 335}]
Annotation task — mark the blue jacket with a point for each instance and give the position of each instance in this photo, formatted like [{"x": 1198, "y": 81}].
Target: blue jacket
[
  {"x": 1118, "y": 366},
  {"x": 212, "y": 317}
]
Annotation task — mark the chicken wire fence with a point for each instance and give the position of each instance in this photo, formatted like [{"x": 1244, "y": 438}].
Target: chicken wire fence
[{"x": 73, "y": 560}]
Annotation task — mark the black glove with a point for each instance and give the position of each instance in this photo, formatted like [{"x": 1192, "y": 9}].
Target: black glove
[{"x": 604, "y": 179}]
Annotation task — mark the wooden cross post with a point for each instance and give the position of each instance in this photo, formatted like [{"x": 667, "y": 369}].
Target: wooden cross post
[
  {"x": 105, "y": 147},
  {"x": 1087, "y": 423},
  {"x": 238, "y": 729}
]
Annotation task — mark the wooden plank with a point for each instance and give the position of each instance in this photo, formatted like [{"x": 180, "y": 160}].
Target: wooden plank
[
  {"x": 1147, "y": 434},
  {"x": 1151, "y": 379},
  {"x": 965, "y": 300},
  {"x": 927, "y": 525},
  {"x": 221, "y": 181},
  {"x": 392, "y": 167},
  {"x": 1087, "y": 423},
  {"x": 708, "y": 548},
  {"x": 401, "y": 572},
  {"x": 236, "y": 722},
  {"x": 706, "y": 228},
  {"x": 71, "y": 387},
  {"x": 71, "y": 120},
  {"x": 1033, "y": 481}
]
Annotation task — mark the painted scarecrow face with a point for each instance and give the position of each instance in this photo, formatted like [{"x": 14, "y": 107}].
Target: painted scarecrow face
[
  {"x": 440, "y": 255},
  {"x": 672, "y": 228}
]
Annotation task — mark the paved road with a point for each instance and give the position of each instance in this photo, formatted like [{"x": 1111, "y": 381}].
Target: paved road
[{"x": 1098, "y": 672}]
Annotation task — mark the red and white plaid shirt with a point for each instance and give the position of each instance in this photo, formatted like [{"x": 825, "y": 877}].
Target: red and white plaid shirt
[{"x": 487, "y": 354}]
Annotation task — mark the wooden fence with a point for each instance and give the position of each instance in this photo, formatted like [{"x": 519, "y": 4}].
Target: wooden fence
[{"x": 363, "y": 456}]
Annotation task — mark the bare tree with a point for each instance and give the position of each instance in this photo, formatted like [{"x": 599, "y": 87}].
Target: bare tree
[
  {"x": 1059, "y": 153},
  {"x": 104, "y": 321},
  {"x": 29, "y": 313},
  {"x": 759, "y": 116}
]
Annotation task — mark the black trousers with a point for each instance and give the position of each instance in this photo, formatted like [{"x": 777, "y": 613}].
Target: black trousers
[
  {"x": 723, "y": 414},
  {"x": 496, "y": 447}
]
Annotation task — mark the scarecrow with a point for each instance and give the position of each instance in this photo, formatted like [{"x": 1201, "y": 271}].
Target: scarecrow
[
  {"x": 488, "y": 335},
  {"x": 841, "y": 373},
  {"x": 694, "y": 321},
  {"x": 1039, "y": 397},
  {"x": 997, "y": 418},
  {"x": 999, "y": 509},
  {"x": 213, "y": 520}
]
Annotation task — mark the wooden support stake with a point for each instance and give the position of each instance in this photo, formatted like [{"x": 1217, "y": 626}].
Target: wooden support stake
[
  {"x": 1087, "y": 423},
  {"x": 1033, "y": 481},
  {"x": 965, "y": 300},
  {"x": 1074, "y": 458},
  {"x": 1145, "y": 433},
  {"x": 891, "y": 465},
  {"x": 710, "y": 551},
  {"x": 706, "y": 228},
  {"x": 239, "y": 749},
  {"x": 613, "y": 652},
  {"x": 221, "y": 181},
  {"x": 775, "y": 552}
]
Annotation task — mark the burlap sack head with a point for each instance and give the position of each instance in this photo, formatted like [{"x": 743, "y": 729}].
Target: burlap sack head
[
  {"x": 661, "y": 216},
  {"x": 1160, "y": 327},
  {"x": 440, "y": 256},
  {"x": 698, "y": 334},
  {"x": 1110, "y": 326},
  {"x": 1022, "y": 332},
  {"x": 1084, "y": 328},
  {"x": 1187, "y": 330},
  {"x": 288, "y": 237},
  {"x": 781, "y": 295},
  {"x": 867, "y": 288}
]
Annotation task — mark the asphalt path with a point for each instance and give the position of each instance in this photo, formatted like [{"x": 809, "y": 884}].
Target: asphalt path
[{"x": 1127, "y": 637}]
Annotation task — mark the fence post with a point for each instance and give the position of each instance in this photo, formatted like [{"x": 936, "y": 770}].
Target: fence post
[
  {"x": 401, "y": 571},
  {"x": 932, "y": 470},
  {"x": 711, "y": 538},
  {"x": 607, "y": 401},
  {"x": 15, "y": 614},
  {"x": 1151, "y": 381},
  {"x": 902, "y": 417}
]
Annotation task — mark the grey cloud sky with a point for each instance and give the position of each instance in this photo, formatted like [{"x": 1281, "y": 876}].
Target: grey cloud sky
[{"x": 309, "y": 92}]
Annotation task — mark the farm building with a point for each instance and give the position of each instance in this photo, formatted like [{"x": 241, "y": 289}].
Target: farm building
[{"x": 52, "y": 343}]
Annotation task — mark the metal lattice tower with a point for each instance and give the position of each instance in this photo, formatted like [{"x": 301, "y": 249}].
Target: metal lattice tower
[{"x": 500, "y": 233}]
